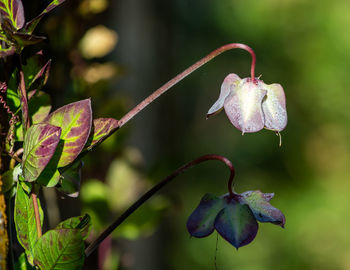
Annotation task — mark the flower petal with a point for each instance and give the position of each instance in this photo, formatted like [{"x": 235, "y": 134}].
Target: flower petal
[
  {"x": 201, "y": 221},
  {"x": 274, "y": 107},
  {"x": 236, "y": 224},
  {"x": 243, "y": 107},
  {"x": 261, "y": 208},
  {"x": 231, "y": 80}
]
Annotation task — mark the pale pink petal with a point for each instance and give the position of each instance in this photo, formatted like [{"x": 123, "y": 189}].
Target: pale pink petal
[
  {"x": 243, "y": 107},
  {"x": 274, "y": 107},
  {"x": 226, "y": 88}
]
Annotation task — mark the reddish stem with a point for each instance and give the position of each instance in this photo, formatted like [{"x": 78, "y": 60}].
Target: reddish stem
[
  {"x": 184, "y": 74},
  {"x": 155, "y": 189},
  {"x": 36, "y": 214}
]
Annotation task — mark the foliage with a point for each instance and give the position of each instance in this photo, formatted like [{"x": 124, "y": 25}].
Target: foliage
[{"x": 52, "y": 145}]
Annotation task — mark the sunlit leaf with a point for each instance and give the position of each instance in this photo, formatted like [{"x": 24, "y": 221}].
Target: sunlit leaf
[
  {"x": 39, "y": 107},
  {"x": 201, "y": 221},
  {"x": 236, "y": 224},
  {"x": 40, "y": 144},
  {"x": 63, "y": 247},
  {"x": 24, "y": 218},
  {"x": 82, "y": 222},
  {"x": 12, "y": 11},
  {"x": 75, "y": 121},
  {"x": 102, "y": 127}
]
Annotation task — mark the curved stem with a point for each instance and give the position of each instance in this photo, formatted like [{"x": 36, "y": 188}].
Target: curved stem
[
  {"x": 154, "y": 190},
  {"x": 184, "y": 74}
]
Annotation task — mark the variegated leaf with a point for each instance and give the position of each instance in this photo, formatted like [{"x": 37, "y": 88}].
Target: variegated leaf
[
  {"x": 40, "y": 143},
  {"x": 12, "y": 11},
  {"x": 102, "y": 128},
  {"x": 75, "y": 121}
]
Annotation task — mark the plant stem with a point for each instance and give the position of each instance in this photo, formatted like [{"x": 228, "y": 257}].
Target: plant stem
[
  {"x": 184, "y": 74},
  {"x": 36, "y": 213},
  {"x": 154, "y": 190}
]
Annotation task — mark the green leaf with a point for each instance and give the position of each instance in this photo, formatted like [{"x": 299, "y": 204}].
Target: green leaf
[
  {"x": 70, "y": 179},
  {"x": 12, "y": 11},
  {"x": 36, "y": 72},
  {"x": 63, "y": 247},
  {"x": 75, "y": 121},
  {"x": 22, "y": 263},
  {"x": 39, "y": 107},
  {"x": 83, "y": 223},
  {"x": 40, "y": 144},
  {"x": 30, "y": 26},
  {"x": 102, "y": 128},
  {"x": 24, "y": 218}
]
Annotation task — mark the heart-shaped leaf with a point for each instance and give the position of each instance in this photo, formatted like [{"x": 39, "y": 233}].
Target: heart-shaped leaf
[
  {"x": 102, "y": 128},
  {"x": 75, "y": 121},
  {"x": 201, "y": 221},
  {"x": 40, "y": 144},
  {"x": 236, "y": 224},
  {"x": 63, "y": 247},
  {"x": 13, "y": 12},
  {"x": 24, "y": 218},
  {"x": 262, "y": 209}
]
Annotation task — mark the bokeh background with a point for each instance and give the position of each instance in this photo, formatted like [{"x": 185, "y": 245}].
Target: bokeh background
[{"x": 117, "y": 52}]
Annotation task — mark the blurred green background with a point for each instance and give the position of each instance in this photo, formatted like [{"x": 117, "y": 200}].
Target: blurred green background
[{"x": 117, "y": 52}]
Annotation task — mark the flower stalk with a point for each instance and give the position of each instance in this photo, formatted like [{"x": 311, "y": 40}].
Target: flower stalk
[
  {"x": 156, "y": 94},
  {"x": 154, "y": 190}
]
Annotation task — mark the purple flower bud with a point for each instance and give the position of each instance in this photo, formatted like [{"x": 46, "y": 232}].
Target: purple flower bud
[{"x": 252, "y": 105}]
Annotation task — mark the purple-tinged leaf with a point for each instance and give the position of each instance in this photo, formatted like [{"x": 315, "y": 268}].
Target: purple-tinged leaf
[
  {"x": 13, "y": 12},
  {"x": 102, "y": 128},
  {"x": 24, "y": 218},
  {"x": 31, "y": 25},
  {"x": 75, "y": 121},
  {"x": 201, "y": 221},
  {"x": 236, "y": 224},
  {"x": 70, "y": 180},
  {"x": 4, "y": 52},
  {"x": 261, "y": 208},
  {"x": 63, "y": 247},
  {"x": 274, "y": 108},
  {"x": 40, "y": 143},
  {"x": 230, "y": 82},
  {"x": 244, "y": 107}
]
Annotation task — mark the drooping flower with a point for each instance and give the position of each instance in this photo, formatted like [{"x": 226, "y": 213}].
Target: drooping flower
[
  {"x": 234, "y": 218},
  {"x": 252, "y": 105}
]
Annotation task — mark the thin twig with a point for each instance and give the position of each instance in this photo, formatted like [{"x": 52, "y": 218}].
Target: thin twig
[{"x": 154, "y": 190}]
